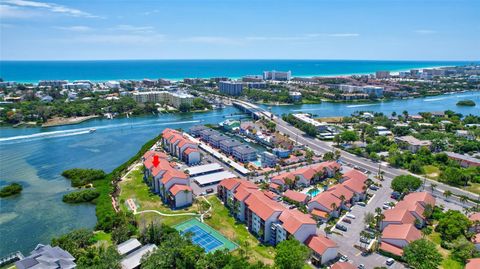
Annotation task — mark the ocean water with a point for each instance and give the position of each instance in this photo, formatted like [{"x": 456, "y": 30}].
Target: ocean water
[{"x": 33, "y": 71}]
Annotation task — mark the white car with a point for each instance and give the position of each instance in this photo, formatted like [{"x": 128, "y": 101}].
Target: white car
[
  {"x": 343, "y": 259},
  {"x": 351, "y": 216},
  {"x": 390, "y": 261}
]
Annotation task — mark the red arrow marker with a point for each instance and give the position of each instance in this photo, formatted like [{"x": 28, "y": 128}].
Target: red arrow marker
[{"x": 155, "y": 162}]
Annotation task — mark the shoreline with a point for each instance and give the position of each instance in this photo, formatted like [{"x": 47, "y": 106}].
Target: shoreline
[
  {"x": 59, "y": 121},
  {"x": 177, "y": 79}
]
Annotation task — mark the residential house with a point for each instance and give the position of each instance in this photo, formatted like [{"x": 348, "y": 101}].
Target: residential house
[
  {"x": 196, "y": 129},
  {"x": 295, "y": 196},
  {"x": 46, "y": 256},
  {"x": 295, "y": 224},
  {"x": 261, "y": 213},
  {"x": 215, "y": 139},
  {"x": 228, "y": 145},
  {"x": 176, "y": 144},
  {"x": 268, "y": 159},
  {"x": 181, "y": 195},
  {"x": 411, "y": 143},
  {"x": 465, "y": 134},
  {"x": 325, "y": 205}
]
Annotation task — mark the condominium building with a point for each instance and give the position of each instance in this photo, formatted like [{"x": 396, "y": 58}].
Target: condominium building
[
  {"x": 277, "y": 75},
  {"x": 234, "y": 88},
  {"x": 245, "y": 153},
  {"x": 174, "y": 99},
  {"x": 382, "y": 74}
]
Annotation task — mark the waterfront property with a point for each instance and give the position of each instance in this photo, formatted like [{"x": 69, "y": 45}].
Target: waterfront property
[
  {"x": 175, "y": 99},
  {"x": 46, "y": 256},
  {"x": 171, "y": 184},
  {"x": 306, "y": 176},
  {"x": 411, "y": 143},
  {"x": 180, "y": 146},
  {"x": 244, "y": 153},
  {"x": 234, "y": 88}
]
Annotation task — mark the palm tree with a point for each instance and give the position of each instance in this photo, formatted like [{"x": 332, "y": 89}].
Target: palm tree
[
  {"x": 433, "y": 187},
  {"x": 447, "y": 194},
  {"x": 337, "y": 154},
  {"x": 463, "y": 199}
]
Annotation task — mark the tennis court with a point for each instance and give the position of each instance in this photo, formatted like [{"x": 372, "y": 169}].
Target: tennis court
[{"x": 205, "y": 236}]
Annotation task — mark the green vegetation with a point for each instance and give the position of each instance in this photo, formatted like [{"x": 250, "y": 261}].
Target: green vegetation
[
  {"x": 422, "y": 254},
  {"x": 308, "y": 128},
  {"x": 291, "y": 254},
  {"x": 10, "y": 190},
  {"x": 281, "y": 95},
  {"x": 452, "y": 225},
  {"x": 466, "y": 103},
  {"x": 405, "y": 183},
  {"x": 87, "y": 195},
  {"x": 81, "y": 177},
  {"x": 222, "y": 221}
]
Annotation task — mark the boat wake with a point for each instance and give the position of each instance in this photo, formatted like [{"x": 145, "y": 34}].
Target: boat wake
[
  {"x": 82, "y": 131},
  {"x": 362, "y": 105},
  {"x": 435, "y": 99}
]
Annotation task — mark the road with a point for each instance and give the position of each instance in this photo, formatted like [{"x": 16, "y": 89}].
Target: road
[{"x": 389, "y": 172}]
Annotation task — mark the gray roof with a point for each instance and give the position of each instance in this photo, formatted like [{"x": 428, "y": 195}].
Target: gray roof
[
  {"x": 128, "y": 246},
  {"x": 218, "y": 137},
  {"x": 46, "y": 257},
  {"x": 133, "y": 259},
  {"x": 244, "y": 149},
  {"x": 203, "y": 169},
  {"x": 209, "y": 132},
  {"x": 198, "y": 128},
  {"x": 230, "y": 143},
  {"x": 462, "y": 157}
]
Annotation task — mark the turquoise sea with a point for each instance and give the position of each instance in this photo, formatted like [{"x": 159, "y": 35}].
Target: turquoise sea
[{"x": 33, "y": 71}]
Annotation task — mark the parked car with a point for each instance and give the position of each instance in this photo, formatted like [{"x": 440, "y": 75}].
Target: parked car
[
  {"x": 209, "y": 190},
  {"x": 341, "y": 227},
  {"x": 373, "y": 187},
  {"x": 365, "y": 240},
  {"x": 361, "y": 204},
  {"x": 390, "y": 261},
  {"x": 386, "y": 207},
  {"x": 361, "y": 266},
  {"x": 395, "y": 195},
  {"x": 343, "y": 259},
  {"x": 351, "y": 216},
  {"x": 347, "y": 220}
]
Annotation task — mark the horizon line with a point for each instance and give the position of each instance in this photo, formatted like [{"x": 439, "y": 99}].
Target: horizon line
[{"x": 235, "y": 59}]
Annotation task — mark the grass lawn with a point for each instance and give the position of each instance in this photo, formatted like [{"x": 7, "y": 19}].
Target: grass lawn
[
  {"x": 103, "y": 236},
  {"x": 474, "y": 187},
  {"x": 238, "y": 233},
  {"x": 447, "y": 263},
  {"x": 134, "y": 187},
  {"x": 431, "y": 171}
]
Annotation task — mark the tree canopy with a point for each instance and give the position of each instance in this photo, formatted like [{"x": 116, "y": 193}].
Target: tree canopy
[
  {"x": 405, "y": 183},
  {"x": 452, "y": 225},
  {"x": 422, "y": 254},
  {"x": 291, "y": 254}
]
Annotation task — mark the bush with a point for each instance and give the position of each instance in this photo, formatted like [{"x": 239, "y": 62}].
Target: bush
[
  {"x": 406, "y": 183},
  {"x": 466, "y": 103},
  {"x": 82, "y": 196},
  {"x": 80, "y": 177},
  {"x": 11, "y": 189}
]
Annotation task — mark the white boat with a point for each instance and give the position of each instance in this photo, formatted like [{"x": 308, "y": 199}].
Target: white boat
[{"x": 93, "y": 130}]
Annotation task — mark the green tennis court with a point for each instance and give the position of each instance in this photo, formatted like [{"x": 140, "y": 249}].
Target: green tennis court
[{"x": 205, "y": 236}]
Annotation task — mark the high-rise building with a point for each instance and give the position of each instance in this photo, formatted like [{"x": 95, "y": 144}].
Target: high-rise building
[
  {"x": 277, "y": 75},
  {"x": 382, "y": 74},
  {"x": 231, "y": 87}
]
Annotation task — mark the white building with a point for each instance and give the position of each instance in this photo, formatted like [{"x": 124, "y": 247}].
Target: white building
[
  {"x": 277, "y": 75},
  {"x": 174, "y": 99}
]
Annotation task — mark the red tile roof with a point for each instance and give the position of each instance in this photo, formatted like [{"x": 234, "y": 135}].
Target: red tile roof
[
  {"x": 339, "y": 190},
  {"x": 292, "y": 220},
  {"x": 354, "y": 174},
  {"x": 296, "y": 196},
  {"x": 422, "y": 197},
  {"x": 171, "y": 174},
  {"x": 271, "y": 195},
  {"x": 242, "y": 193},
  {"x": 356, "y": 185},
  {"x": 474, "y": 217},
  {"x": 230, "y": 183},
  {"x": 307, "y": 172},
  {"x": 320, "y": 244},
  {"x": 391, "y": 249},
  {"x": 326, "y": 199},
  {"x": 319, "y": 213},
  {"x": 190, "y": 150},
  {"x": 175, "y": 189},
  {"x": 343, "y": 265},
  {"x": 262, "y": 206},
  {"x": 411, "y": 207},
  {"x": 331, "y": 165},
  {"x": 398, "y": 215},
  {"x": 274, "y": 186},
  {"x": 406, "y": 232},
  {"x": 473, "y": 264}
]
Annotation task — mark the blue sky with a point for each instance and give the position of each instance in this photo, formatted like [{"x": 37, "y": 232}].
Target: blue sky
[{"x": 240, "y": 29}]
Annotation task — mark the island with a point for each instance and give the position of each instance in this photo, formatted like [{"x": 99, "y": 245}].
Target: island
[
  {"x": 466, "y": 103},
  {"x": 10, "y": 190}
]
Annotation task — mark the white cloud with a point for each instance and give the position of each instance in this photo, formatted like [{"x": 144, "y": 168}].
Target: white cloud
[
  {"x": 119, "y": 39},
  {"x": 7, "y": 11},
  {"x": 76, "y": 28},
  {"x": 50, "y": 7},
  {"x": 134, "y": 29},
  {"x": 217, "y": 40},
  {"x": 425, "y": 32}
]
